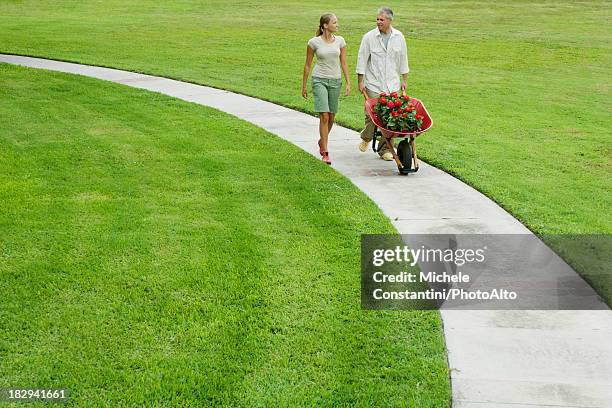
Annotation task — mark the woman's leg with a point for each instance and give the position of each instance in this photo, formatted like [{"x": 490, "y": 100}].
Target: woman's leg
[
  {"x": 332, "y": 116},
  {"x": 324, "y": 127},
  {"x": 333, "y": 95}
]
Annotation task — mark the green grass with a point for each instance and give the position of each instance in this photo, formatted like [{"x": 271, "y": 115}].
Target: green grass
[
  {"x": 519, "y": 92},
  {"x": 153, "y": 252}
]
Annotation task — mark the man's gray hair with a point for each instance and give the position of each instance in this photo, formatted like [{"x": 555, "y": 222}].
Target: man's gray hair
[{"x": 387, "y": 11}]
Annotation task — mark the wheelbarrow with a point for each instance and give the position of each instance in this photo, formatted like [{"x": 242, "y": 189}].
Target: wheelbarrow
[{"x": 406, "y": 156}]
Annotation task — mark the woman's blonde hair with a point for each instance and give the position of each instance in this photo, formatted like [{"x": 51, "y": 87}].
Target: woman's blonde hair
[{"x": 325, "y": 19}]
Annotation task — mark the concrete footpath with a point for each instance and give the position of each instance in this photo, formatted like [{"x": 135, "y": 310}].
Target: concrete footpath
[{"x": 497, "y": 358}]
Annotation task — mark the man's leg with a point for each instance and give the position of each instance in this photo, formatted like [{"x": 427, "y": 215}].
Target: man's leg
[{"x": 367, "y": 134}]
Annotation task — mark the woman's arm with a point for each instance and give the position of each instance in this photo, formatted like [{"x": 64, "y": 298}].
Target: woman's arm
[
  {"x": 347, "y": 92},
  {"x": 309, "y": 57}
]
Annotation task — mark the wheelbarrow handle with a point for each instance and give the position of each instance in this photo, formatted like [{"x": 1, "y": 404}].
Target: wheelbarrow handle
[{"x": 365, "y": 95}]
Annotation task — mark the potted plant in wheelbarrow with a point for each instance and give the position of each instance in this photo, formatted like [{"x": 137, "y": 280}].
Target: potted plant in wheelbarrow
[{"x": 400, "y": 116}]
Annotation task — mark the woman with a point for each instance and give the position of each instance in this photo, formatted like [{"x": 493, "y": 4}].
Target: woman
[{"x": 330, "y": 50}]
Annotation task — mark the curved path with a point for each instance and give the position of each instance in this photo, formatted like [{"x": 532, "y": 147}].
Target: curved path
[{"x": 543, "y": 358}]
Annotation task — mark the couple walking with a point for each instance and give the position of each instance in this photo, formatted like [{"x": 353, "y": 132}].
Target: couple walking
[{"x": 382, "y": 66}]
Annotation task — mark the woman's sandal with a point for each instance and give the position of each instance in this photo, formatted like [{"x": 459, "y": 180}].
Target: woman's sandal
[
  {"x": 325, "y": 157},
  {"x": 324, "y": 154}
]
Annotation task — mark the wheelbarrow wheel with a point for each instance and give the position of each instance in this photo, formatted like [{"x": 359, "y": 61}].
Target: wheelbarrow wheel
[
  {"x": 404, "y": 152},
  {"x": 378, "y": 137}
]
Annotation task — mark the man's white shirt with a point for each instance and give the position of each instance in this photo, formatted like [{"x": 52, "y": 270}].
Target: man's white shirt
[{"x": 382, "y": 66}]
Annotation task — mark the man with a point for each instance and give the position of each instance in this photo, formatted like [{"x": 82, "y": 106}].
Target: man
[{"x": 382, "y": 59}]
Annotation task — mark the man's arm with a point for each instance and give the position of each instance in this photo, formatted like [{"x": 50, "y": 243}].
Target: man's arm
[
  {"x": 404, "y": 69},
  {"x": 360, "y": 83},
  {"x": 362, "y": 62},
  {"x": 404, "y": 82}
]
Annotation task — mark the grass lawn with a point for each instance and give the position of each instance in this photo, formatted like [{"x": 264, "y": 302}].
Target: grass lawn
[
  {"x": 141, "y": 266},
  {"x": 519, "y": 92}
]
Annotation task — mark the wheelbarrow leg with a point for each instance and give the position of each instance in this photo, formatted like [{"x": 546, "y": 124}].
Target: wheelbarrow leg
[
  {"x": 414, "y": 155},
  {"x": 392, "y": 150}
]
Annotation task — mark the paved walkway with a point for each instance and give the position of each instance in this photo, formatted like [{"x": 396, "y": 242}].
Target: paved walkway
[{"x": 497, "y": 358}]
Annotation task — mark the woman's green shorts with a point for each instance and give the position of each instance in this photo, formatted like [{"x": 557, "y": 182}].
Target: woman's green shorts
[{"x": 326, "y": 92}]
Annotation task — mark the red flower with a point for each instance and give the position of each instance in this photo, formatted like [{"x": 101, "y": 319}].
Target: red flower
[
  {"x": 398, "y": 113},
  {"x": 394, "y": 94}
]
